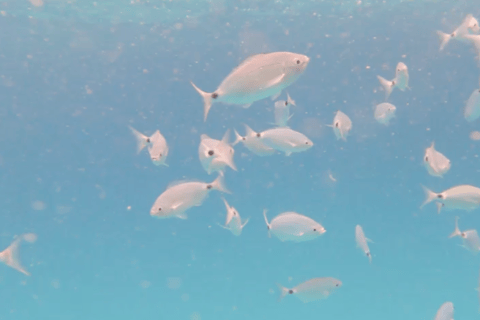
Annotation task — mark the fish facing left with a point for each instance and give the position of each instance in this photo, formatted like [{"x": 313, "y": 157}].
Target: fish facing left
[
  {"x": 257, "y": 77},
  {"x": 156, "y": 144},
  {"x": 311, "y": 290}
]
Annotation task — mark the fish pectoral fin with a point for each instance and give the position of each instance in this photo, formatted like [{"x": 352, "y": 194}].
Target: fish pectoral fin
[
  {"x": 275, "y": 81},
  {"x": 176, "y": 205},
  {"x": 326, "y": 293},
  {"x": 246, "y": 106},
  {"x": 224, "y": 227},
  {"x": 182, "y": 216},
  {"x": 276, "y": 95}
]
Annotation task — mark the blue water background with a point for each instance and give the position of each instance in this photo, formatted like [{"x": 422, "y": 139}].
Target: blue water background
[{"x": 71, "y": 150}]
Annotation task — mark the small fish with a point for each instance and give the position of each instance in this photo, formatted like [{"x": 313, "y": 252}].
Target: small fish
[
  {"x": 156, "y": 143},
  {"x": 285, "y": 140},
  {"x": 445, "y": 312},
  {"x": 215, "y": 155},
  {"x": 470, "y": 238},
  {"x": 472, "y": 108},
  {"x": 233, "y": 222},
  {"x": 179, "y": 197},
  {"x": 469, "y": 24},
  {"x": 341, "y": 125},
  {"x": 10, "y": 256},
  {"x": 462, "y": 197},
  {"x": 258, "y": 77},
  {"x": 435, "y": 162},
  {"x": 384, "y": 112},
  {"x": 361, "y": 241},
  {"x": 291, "y": 226},
  {"x": 400, "y": 81},
  {"x": 311, "y": 290},
  {"x": 282, "y": 111},
  {"x": 252, "y": 142}
]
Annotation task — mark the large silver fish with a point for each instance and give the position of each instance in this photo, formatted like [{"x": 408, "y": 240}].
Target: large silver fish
[
  {"x": 258, "y": 77},
  {"x": 463, "y": 197},
  {"x": 445, "y": 312}
]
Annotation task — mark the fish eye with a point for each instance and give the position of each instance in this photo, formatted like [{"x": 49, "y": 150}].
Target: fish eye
[
  {"x": 258, "y": 135},
  {"x": 426, "y": 159},
  {"x": 463, "y": 234},
  {"x": 314, "y": 229},
  {"x": 306, "y": 142},
  {"x": 440, "y": 196},
  {"x": 148, "y": 140},
  {"x": 209, "y": 187},
  {"x": 160, "y": 155},
  {"x": 231, "y": 150},
  {"x": 214, "y": 95},
  {"x": 368, "y": 254},
  {"x": 336, "y": 124},
  {"x": 210, "y": 153},
  {"x": 159, "y": 209},
  {"x": 290, "y": 291},
  {"x": 243, "y": 138},
  {"x": 286, "y": 103},
  {"x": 336, "y": 285},
  {"x": 298, "y": 61}
]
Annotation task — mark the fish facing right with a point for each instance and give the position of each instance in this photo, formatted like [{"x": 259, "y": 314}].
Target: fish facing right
[{"x": 257, "y": 77}]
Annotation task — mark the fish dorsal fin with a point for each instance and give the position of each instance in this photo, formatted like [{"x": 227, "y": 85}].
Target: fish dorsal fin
[
  {"x": 249, "y": 131},
  {"x": 226, "y": 136},
  {"x": 204, "y": 136}
]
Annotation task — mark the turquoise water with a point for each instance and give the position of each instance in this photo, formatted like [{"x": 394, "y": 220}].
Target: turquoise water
[{"x": 74, "y": 76}]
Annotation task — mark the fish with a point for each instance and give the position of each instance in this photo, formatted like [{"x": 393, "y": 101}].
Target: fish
[
  {"x": 233, "y": 221},
  {"x": 462, "y": 197},
  {"x": 292, "y": 226},
  {"x": 400, "y": 81},
  {"x": 215, "y": 155},
  {"x": 469, "y": 24},
  {"x": 10, "y": 256},
  {"x": 252, "y": 142},
  {"x": 384, "y": 112},
  {"x": 311, "y": 290},
  {"x": 282, "y": 111},
  {"x": 257, "y": 77},
  {"x": 285, "y": 140},
  {"x": 445, "y": 312},
  {"x": 361, "y": 241},
  {"x": 341, "y": 125},
  {"x": 181, "y": 196},
  {"x": 472, "y": 107},
  {"x": 470, "y": 238},
  {"x": 156, "y": 144},
  {"x": 435, "y": 162}
]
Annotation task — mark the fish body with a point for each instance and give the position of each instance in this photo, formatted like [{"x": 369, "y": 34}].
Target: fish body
[
  {"x": 252, "y": 142},
  {"x": 361, "y": 241},
  {"x": 313, "y": 289},
  {"x": 401, "y": 76},
  {"x": 291, "y": 226},
  {"x": 435, "y": 162},
  {"x": 445, "y": 312},
  {"x": 282, "y": 111},
  {"x": 470, "y": 238},
  {"x": 215, "y": 155},
  {"x": 285, "y": 140},
  {"x": 384, "y": 112},
  {"x": 341, "y": 125},
  {"x": 462, "y": 197},
  {"x": 469, "y": 24},
  {"x": 178, "y": 198},
  {"x": 233, "y": 221},
  {"x": 472, "y": 108},
  {"x": 258, "y": 77}
]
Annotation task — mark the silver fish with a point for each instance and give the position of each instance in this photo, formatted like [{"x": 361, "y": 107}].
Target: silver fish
[
  {"x": 311, "y": 290},
  {"x": 469, "y": 24},
  {"x": 384, "y": 112},
  {"x": 463, "y": 197},
  {"x": 341, "y": 125},
  {"x": 233, "y": 221},
  {"x": 258, "y": 77},
  {"x": 179, "y": 197},
  {"x": 282, "y": 111},
  {"x": 215, "y": 155},
  {"x": 435, "y": 162},
  {"x": 10, "y": 257},
  {"x": 291, "y": 226},
  {"x": 156, "y": 143},
  {"x": 252, "y": 142},
  {"x": 361, "y": 241},
  {"x": 400, "y": 81},
  {"x": 445, "y": 312},
  {"x": 472, "y": 108},
  {"x": 470, "y": 238},
  {"x": 285, "y": 140}
]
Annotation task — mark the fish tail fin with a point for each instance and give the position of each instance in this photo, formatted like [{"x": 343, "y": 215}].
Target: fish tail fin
[
  {"x": 266, "y": 221},
  {"x": 429, "y": 196},
  {"x": 387, "y": 86},
  {"x": 457, "y": 231},
  {"x": 444, "y": 39},
  {"x": 207, "y": 100},
  {"x": 283, "y": 292},
  {"x": 290, "y": 100},
  {"x": 238, "y": 138},
  {"x": 219, "y": 184},
  {"x": 141, "y": 139},
  {"x": 11, "y": 258},
  {"x": 245, "y": 222}
]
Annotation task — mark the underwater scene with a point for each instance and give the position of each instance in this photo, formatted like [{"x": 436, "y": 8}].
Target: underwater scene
[{"x": 239, "y": 159}]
